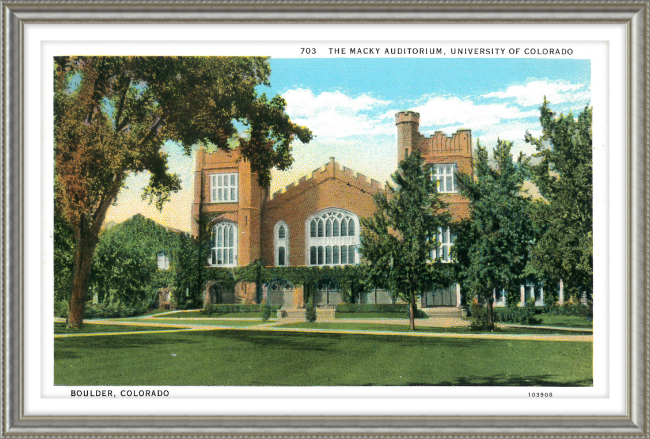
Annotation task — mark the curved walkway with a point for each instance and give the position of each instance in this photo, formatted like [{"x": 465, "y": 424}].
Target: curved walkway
[{"x": 273, "y": 327}]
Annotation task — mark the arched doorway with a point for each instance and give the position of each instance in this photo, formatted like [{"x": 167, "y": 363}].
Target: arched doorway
[
  {"x": 217, "y": 294},
  {"x": 279, "y": 292},
  {"x": 327, "y": 293}
]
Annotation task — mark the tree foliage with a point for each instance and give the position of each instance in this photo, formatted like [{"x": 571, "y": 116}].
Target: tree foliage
[
  {"x": 564, "y": 178},
  {"x": 125, "y": 269},
  {"x": 399, "y": 239},
  {"x": 492, "y": 247},
  {"x": 113, "y": 114}
]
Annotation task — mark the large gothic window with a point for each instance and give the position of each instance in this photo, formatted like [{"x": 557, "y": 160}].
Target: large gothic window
[
  {"x": 281, "y": 244},
  {"x": 332, "y": 238},
  {"x": 224, "y": 245}
]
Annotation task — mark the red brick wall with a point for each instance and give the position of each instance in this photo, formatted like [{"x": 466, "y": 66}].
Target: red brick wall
[{"x": 329, "y": 187}]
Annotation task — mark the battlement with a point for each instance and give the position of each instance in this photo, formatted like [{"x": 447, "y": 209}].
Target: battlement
[
  {"x": 329, "y": 170},
  {"x": 459, "y": 143},
  {"x": 407, "y": 116}
]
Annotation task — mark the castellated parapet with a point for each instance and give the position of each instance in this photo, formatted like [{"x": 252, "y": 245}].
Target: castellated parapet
[
  {"x": 438, "y": 148},
  {"x": 331, "y": 170}
]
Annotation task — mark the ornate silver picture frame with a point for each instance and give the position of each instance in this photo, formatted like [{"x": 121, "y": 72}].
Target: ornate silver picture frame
[{"x": 29, "y": 26}]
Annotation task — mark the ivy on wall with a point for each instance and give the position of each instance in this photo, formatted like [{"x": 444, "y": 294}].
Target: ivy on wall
[{"x": 352, "y": 280}]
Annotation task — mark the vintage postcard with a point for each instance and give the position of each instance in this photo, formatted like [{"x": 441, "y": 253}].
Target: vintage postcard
[{"x": 404, "y": 219}]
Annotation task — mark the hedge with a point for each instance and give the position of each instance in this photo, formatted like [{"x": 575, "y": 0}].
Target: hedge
[
  {"x": 101, "y": 311},
  {"x": 224, "y": 309},
  {"x": 523, "y": 316},
  {"x": 570, "y": 310},
  {"x": 372, "y": 307}
]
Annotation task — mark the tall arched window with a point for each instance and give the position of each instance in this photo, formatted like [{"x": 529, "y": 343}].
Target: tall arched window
[
  {"x": 224, "y": 245},
  {"x": 332, "y": 238},
  {"x": 281, "y": 244}
]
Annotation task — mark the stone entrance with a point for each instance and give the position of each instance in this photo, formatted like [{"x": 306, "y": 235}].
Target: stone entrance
[
  {"x": 216, "y": 294},
  {"x": 327, "y": 294},
  {"x": 440, "y": 297},
  {"x": 280, "y": 292}
]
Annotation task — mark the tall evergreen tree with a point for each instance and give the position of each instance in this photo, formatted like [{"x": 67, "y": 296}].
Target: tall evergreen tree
[
  {"x": 564, "y": 178},
  {"x": 492, "y": 247},
  {"x": 399, "y": 239}
]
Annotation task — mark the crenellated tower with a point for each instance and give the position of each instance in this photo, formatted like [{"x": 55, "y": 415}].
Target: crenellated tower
[
  {"x": 408, "y": 133},
  {"x": 448, "y": 154}
]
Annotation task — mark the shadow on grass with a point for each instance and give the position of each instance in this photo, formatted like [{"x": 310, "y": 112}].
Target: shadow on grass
[
  {"x": 308, "y": 341},
  {"x": 507, "y": 380}
]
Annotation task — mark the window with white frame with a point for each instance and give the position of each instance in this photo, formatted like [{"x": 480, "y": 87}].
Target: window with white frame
[
  {"x": 224, "y": 188},
  {"x": 224, "y": 245},
  {"x": 445, "y": 174},
  {"x": 445, "y": 238},
  {"x": 281, "y": 234},
  {"x": 163, "y": 261},
  {"x": 332, "y": 238}
]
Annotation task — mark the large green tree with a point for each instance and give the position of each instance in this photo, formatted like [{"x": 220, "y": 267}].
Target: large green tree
[
  {"x": 125, "y": 267},
  {"x": 492, "y": 247},
  {"x": 398, "y": 241},
  {"x": 564, "y": 178},
  {"x": 113, "y": 114}
]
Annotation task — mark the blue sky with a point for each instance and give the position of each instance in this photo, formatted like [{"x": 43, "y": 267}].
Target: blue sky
[{"x": 350, "y": 103}]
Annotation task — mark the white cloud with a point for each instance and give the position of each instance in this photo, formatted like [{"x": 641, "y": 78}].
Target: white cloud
[
  {"x": 336, "y": 115},
  {"x": 444, "y": 111},
  {"x": 532, "y": 93}
]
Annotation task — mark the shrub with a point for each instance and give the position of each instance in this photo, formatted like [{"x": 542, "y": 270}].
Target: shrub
[
  {"x": 571, "y": 310},
  {"x": 61, "y": 309},
  {"x": 530, "y": 302},
  {"x": 419, "y": 314},
  {"x": 523, "y": 316},
  {"x": 372, "y": 307},
  {"x": 479, "y": 316},
  {"x": 104, "y": 311},
  {"x": 310, "y": 312},
  {"x": 266, "y": 312}
]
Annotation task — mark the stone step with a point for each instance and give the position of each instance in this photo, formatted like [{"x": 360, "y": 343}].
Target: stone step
[
  {"x": 291, "y": 314},
  {"x": 325, "y": 313}
]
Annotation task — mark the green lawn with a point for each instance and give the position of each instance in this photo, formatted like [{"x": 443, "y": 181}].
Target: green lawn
[
  {"x": 224, "y": 322},
  {"x": 59, "y": 328},
  {"x": 405, "y": 328},
  {"x": 262, "y": 358},
  {"x": 565, "y": 321},
  {"x": 230, "y": 315}
]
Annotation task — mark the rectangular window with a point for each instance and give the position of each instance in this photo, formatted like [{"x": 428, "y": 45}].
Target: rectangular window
[
  {"x": 224, "y": 188},
  {"x": 328, "y": 255},
  {"x": 445, "y": 175},
  {"x": 312, "y": 256},
  {"x": 281, "y": 256},
  {"x": 344, "y": 254},
  {"x": 335, "y": 255},
  {"x": 351, "y": 254},
  {"x": 320, "y": 255}
]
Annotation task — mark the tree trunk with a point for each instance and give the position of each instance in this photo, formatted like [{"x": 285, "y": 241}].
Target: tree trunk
[
  {"x": 83, "y": 257},
  {"x": 412, "y": 313},
  {"x": 490, "y": 309},
  {"x": 86, "y": 239}
]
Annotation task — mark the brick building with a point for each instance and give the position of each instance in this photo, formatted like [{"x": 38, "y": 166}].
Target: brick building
[{"x": 316, "y": 221}]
